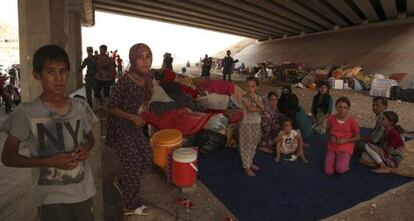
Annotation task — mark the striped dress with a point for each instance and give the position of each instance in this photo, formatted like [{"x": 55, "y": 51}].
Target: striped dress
[{"x": 393, "y": 153}]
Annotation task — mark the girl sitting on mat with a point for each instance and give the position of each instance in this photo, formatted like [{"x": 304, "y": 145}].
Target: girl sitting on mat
[
  {"x": 322, "y": 107},
  {"x": 249, "y": 131},
  {"x": 289, "y": 141},
  {"x": 389, "y": 156},
  {"x": 343, "y": 132}
]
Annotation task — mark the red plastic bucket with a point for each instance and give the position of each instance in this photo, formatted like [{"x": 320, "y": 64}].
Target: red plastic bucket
[{"x": 184, "y": 167}]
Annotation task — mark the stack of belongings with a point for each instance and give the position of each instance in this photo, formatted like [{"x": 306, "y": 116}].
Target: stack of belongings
[
  {"x": 314, "y": 77},
  {"x": 223, "y": 100},
  {"x": 170, "y": 94},
  {"x": 287, "y": 71}
]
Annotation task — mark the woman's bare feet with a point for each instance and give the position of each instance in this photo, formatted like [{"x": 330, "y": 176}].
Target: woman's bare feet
[
  {"x": 277, "y": 159},
  {"x": 249, "y": 172},
  {"x": 254, "y": 167}
]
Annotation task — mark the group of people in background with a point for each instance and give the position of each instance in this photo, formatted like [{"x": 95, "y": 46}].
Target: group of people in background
[
  {"x": 9, "y": 89},
  {"x": 102, "y": 70}
]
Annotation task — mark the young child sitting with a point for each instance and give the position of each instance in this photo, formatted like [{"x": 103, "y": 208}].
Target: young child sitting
[
  {"x": 390, "y": 156},
  {"x": 289, "y": 141}
]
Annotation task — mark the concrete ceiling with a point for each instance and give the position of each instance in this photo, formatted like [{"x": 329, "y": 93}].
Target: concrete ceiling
[{"x": 266, "y": 19}]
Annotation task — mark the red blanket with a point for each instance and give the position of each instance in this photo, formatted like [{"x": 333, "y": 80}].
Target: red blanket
[
  {"x": 218, "y": 87},
  {"x": 184, "y": 120}
]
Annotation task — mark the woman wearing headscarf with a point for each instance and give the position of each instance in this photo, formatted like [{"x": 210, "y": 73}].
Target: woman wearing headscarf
[
  {"x": 288, "y": 105},
  {"x": 270, "y": 124},
  {"x": 130, "y": 96},
  {"x": 322, "y": 106}
]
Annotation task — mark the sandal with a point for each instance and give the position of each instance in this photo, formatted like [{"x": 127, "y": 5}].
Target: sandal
[{"x": 138, "y": 211}]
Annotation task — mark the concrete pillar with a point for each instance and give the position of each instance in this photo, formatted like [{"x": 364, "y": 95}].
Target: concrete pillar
[
  {"x": 74, "y": 50},
  {"x": 44, "y": 22}
]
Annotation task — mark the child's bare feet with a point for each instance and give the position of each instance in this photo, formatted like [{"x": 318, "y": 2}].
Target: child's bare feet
[
  {"x": 254, "y": 167},
  {"x": 277, "y": 159},
  {"x": 381, "y": 170},
  {"x": 249, "y": 172}
]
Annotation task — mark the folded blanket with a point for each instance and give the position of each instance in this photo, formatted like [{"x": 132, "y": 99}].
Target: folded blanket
[{"x": 184, "y": 120}]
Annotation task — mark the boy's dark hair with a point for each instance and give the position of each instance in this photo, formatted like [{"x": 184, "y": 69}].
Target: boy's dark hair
[
  {"x": 103, "y": 47},
  {"x": 251, "y": 78},
  {"x": 49, "y": 53},
  {"x": 384, "y": 100},
  {"x": 343, "y": 100}
]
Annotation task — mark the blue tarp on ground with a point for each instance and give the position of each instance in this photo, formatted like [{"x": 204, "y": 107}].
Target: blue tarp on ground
[{"x": 290, "y": 190}]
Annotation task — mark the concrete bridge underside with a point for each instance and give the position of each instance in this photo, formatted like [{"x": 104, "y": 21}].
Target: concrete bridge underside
[{"x": 59, "y": 21}]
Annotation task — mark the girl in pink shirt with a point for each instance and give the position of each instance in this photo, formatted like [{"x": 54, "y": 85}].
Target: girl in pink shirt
[{"x": 343, "y": 131}]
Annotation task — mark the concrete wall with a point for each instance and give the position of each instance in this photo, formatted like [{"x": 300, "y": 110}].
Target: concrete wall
[
  {"x": 385, "y": 50},
  {"x": 44, "y": 22}
]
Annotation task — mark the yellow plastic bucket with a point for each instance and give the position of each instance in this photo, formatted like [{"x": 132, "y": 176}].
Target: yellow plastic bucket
[{"x": 163, "y": 142}]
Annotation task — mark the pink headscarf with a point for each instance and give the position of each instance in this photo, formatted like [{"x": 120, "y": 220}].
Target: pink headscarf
[{"x": 146, "y": 77}]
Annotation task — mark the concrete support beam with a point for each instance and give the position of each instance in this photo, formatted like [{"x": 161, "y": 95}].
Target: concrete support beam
[
  {"x": 176, "y": 20},
  {"x": 325, "y": 11},
  {"x": 277, "y": 9},
  {"x": 390, "y": 9},
  {"x": 244, "y": 14},
  {"x": 347, "y": 11},
  {"x": 74, "y": 50},
  {"x": 185, "y": 10},
  {"x": 298, "y": 8},
  {"x": 266, "y": 15},
  {"x": 367, "y": 9},
  {"x": 197, "y": 10}
]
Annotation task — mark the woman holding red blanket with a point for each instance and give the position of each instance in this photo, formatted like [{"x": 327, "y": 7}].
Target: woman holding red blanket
[{"x": 131, "y": 95}]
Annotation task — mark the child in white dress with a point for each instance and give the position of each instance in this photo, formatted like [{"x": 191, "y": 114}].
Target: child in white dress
[{"x": 289, "y": 142}]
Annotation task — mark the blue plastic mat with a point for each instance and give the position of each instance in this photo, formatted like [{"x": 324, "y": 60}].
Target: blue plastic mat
[{"x": 290, "y": 190}]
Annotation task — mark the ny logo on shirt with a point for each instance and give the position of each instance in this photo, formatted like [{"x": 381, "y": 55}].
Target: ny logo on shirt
[{"x": 57, "y": 141}]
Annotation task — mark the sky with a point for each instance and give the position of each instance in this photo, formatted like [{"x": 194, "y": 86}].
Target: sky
[
  {"x": 8, "y": 12},
  {"x": 184, "y": 43},
  {"x": 121, "y": 32}
]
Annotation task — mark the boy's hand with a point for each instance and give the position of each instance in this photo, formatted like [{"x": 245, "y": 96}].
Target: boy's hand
[
  {"x": 138, "y": 121},
  {"x": 82, "y": 153},
  {"x": 65, "y": 161}
]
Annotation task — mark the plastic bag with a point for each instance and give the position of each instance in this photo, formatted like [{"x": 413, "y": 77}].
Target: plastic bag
[
  {"x": 217, "y": 123},
  {"x": 210, "y": 141}
]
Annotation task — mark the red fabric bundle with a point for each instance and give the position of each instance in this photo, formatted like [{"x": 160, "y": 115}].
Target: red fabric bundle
[
  {"x": 184, "y": 120},
  {"x": 169, "y": 76},
  {"x": 188, "y": 90},
  {"x": 218, "y": 87}
]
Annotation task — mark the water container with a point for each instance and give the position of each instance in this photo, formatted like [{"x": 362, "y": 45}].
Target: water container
[
  {"x": 184, "y": 167},
  {"x": 162, "y": 143}
]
